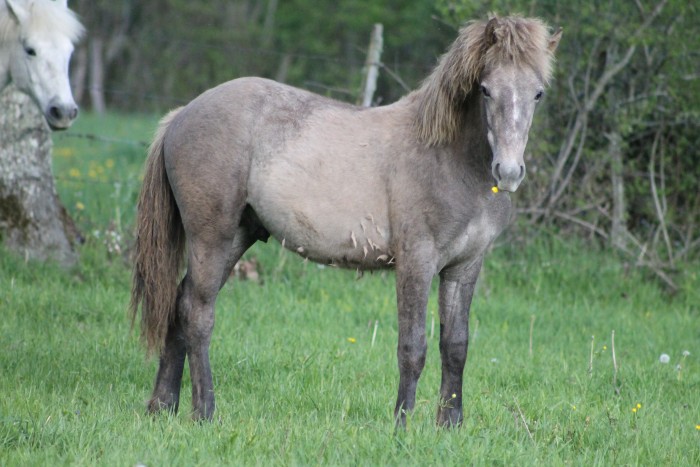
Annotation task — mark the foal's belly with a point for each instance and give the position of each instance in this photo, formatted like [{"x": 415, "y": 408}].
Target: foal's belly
[{"x": 331, "y": 218}]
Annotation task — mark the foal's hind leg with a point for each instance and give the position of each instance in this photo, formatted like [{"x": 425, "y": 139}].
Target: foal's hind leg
[
  {"x": 210, "y": 263},
  {"x": 166, "y": 394}
]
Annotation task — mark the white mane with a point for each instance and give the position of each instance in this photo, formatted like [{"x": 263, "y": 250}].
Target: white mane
[{"x": 46, "y": 15}]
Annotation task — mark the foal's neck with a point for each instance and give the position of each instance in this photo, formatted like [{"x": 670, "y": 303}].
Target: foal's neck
[{"x": 472, "y": 143}]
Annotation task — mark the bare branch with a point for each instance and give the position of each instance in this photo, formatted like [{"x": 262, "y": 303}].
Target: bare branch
[{"x": 655, "y": 196}]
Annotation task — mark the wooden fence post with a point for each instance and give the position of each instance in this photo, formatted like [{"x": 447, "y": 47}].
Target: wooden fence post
[{"x": 374, "y": 55}]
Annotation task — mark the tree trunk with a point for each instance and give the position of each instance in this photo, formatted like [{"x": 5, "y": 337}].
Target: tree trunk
[
  {"x": 33, "y": 222},
  {"x": 97, "y": 82},
  {"x": 78, "y": 74}
]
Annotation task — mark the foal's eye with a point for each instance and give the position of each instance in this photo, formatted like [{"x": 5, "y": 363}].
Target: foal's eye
[
  {"x": 31, "y": 51},
  {"x": 485, "y": 91},
  {"x": 539, "y": 95}
]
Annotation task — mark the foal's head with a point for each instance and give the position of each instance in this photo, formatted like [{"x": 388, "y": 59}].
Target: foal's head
[
  {"x": 38, "y": 36},
  {"x": 505, "y": 61},
  {"x": 516, "y": 69}
]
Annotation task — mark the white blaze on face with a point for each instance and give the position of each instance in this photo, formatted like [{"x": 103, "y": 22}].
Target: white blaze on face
[
  {"x": 509, "y": 96},
  {"x": 516, "y": 108}
]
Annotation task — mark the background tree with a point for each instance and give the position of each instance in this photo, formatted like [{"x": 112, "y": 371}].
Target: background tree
[
  {"x": 144, "y": 66},
  {"x": 615, "y": 149},
  {"x": 33, "y": 221}
]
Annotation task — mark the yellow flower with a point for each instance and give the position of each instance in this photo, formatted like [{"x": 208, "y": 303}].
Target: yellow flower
[
  {"x": 634, "y": 409},
  {"x": 109, "y": 163},
  {"x": 63, "y": 152},
  {"x": 79, "y": 206},
  {"x": 697, "y": 427},
  {"x": 494, "y": 189},
  {"x": 75, "y": 173},
  {"x": 352, "y": 340},
  {"x": 605, "y": 347},
  {"x": 639, "y": 406},
  {"x": 92, "y": 173}
]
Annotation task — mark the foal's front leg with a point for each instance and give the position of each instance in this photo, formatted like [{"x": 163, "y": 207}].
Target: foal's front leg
[
  {"x": 456, "y": 291},
  {"x": 412, "y": 288}
]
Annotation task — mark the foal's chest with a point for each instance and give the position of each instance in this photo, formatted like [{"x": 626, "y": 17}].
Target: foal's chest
[{"x": 481, "y": 230}]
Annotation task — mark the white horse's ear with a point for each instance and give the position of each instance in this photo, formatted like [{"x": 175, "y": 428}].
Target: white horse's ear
[
  {"x": 554, "y": 40},
  {"x": 19, "y": 10}
]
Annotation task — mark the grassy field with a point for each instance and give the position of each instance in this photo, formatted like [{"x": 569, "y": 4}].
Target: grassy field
[{"x": 301, "y": 377}]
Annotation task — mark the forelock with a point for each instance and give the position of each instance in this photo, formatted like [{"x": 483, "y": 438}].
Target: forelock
[
  {"x": 524, "y": 42},
  {"x": 49, "y": 16}
]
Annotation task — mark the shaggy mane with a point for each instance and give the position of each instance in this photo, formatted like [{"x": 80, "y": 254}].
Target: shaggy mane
[
  {"x": 480, "y": 44},
  {"x": 45, "y": 15}
]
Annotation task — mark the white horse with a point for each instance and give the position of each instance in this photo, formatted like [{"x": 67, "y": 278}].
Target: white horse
[{"x": 36, "y": 42}]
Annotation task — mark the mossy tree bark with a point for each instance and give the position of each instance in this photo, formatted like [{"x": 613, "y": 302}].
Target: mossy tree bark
[{"x": 33, "y": 222}]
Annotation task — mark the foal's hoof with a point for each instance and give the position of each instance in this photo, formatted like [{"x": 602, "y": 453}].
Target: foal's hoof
[
  {"x": 157, "y": 405},
  {"x": 449, "y": 418},
  {"x": 205, "y": 414}
]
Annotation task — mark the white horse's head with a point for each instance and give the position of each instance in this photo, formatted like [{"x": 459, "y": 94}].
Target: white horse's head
[{"x": 38, "y": 38}]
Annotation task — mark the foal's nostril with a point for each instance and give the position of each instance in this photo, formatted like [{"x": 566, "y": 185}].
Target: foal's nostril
[
  {"x": 73, "y": 113},
  {"x": 522, "y": 171},
  {"x": 498, "y": 171}
]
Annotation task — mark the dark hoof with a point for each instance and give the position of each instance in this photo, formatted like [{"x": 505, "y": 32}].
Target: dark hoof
[
  {"x": 156, "y": 405},
  {"x": 449, "y": 416}
]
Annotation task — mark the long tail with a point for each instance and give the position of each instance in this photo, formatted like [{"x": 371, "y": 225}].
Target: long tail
[{"x": 160, "y": 244}]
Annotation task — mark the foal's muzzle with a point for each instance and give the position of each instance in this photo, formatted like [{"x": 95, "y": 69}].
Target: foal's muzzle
[{"x": 508, "y": 175}]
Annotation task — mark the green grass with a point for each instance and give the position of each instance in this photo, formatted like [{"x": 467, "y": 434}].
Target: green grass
[{"x": 293, "y": 389}]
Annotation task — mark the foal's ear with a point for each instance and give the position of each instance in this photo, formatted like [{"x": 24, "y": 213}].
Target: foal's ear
[
  {"x": 554, "y": 40},
  {"x": 490, "y": 36},
  {"x": 18, "y": 10}
]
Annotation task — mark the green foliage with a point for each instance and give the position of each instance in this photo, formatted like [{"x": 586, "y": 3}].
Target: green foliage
[
  {"x": 654, "y": 97},
  {"x": 316, "y": 45}
]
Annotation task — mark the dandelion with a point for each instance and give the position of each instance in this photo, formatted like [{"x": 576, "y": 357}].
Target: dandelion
[
  {"x": 573, "y": 407},
  {"x": 75, "y": 173},
  {"x": 639, "y": 406},
  {"x": 605, "y": 347},
  {"x": 79, "y": 206},
  {"x": 664, "y": 358},
  {"x": 697, "y": 427},
  {"x": 634, "y": 409},
  {"x": 352, "y": 340},
  {"x": 92, "y": 173},
  {"x": 109, "y": 163},
  {"x": 686, "y": 353},
  {"x": 494, "y": 189}
]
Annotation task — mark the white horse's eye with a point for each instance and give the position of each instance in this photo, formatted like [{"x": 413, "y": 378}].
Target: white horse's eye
[
  {"x": 539, "y": 95},
  {"x": 31, "y": 51}
]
